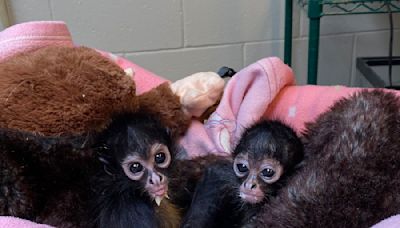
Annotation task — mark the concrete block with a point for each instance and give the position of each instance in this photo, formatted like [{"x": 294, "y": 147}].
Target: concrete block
[
  {"x": 123, "y": 26},
  {"x": 226, "y": 21},
  {"x": 176, "y": 64},
  {"x": 335, "y": 58},
  {"x": 28, "y": 10}
]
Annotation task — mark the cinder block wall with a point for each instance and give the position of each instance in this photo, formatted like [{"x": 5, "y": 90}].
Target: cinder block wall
[{"x": 175, "y": 38}]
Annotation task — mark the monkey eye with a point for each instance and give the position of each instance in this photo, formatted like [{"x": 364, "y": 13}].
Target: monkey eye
[
  {"x": 162, "y": 156},
  {"x": 159, "y": 158},
  {"x": 135, "y": 167},
  {"x": 268, "y": 172},
  {"x": 242, "y": 168}
]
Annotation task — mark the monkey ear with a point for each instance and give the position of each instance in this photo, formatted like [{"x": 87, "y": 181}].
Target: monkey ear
[{"x": 103, "y": 154}]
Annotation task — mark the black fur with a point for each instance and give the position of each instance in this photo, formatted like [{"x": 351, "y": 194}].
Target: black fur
[
  {"x": 119, "y": 201},
  {"x": 216, "y": 202},
  {"x": 351, "y": 175},
  {"x": 27, "y": 186}
]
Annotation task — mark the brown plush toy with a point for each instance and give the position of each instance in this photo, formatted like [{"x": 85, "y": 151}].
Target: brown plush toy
[{"x": 66, "y": 94}]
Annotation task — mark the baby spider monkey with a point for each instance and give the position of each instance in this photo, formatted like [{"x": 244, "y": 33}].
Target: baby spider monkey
[
  {"x": 231, "y": 192},
  {"x": 137, "y": 152},
  {"x": 143, "y": 184}
]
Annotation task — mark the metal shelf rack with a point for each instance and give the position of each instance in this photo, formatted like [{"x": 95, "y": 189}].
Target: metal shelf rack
[{"x": 318, "y": 8}]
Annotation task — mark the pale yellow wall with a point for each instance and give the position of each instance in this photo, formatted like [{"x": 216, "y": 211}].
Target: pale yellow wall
[{"x": 4, "y": 22}]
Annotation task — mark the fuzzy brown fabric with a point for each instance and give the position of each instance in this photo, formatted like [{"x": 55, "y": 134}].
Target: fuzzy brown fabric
[
  {"x": 168, "y": 109},
  {"x": 351, "y": 175},
  {"x": 62, "y": 91}
]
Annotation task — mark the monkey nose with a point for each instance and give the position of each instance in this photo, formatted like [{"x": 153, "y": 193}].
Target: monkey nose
[
  {"x": 156, "y": 179},
  {"x": 250, "y": 185}
]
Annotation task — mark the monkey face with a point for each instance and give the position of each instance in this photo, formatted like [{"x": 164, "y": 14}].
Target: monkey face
[
  {"x": 256, "y": 176},
  {"x": 149, "y": 171}
]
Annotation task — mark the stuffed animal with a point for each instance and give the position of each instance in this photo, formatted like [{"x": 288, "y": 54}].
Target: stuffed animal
[
  {"x": 68, "y": 94},
  {"x": 201, "y": 92}
]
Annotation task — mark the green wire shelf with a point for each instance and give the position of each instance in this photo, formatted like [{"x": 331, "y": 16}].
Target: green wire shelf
[
  {"x": 319, "y": 8},
  {"x": 340, "y": 7}
]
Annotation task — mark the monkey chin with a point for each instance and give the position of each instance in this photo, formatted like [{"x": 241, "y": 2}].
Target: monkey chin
[
  {"x": 159, "y": 194},
  {"x": 251, "y": 198}
]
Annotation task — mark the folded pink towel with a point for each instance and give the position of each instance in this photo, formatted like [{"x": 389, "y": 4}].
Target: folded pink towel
[{"x": 33, "y": 35}]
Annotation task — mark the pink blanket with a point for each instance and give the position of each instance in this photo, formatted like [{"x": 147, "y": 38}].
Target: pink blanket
[
  {"x": 265, "y": 89},
  {"x": 33, "y": 35}
]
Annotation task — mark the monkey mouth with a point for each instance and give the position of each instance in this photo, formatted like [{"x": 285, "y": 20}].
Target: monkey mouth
[
  {"x": 160, "y": 191},
  {"x": 251, "y": 198}
]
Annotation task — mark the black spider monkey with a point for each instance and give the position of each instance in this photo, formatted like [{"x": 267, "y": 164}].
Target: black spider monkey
[
  {"x": 351, "y": 171},
  {"x": 142, "y": 184},
  {"x": 231, "y": 192}
]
